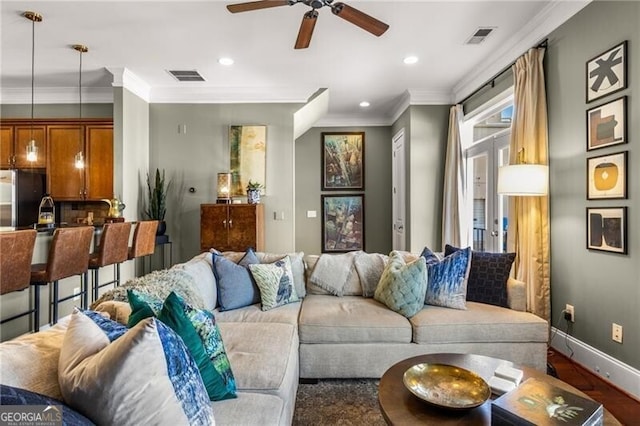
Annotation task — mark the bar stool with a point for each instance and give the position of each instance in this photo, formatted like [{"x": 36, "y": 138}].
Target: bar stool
[
  {"x": 113, "y": 249},
  {"x": 16, "y": 252},
  {"x": 68, "y": 256},
  {"x": 144, "y": 239}
]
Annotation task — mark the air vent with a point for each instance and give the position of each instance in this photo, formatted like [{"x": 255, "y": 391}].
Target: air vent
[
  {"x": 480, "y": 35},
  {"x": 186, "y": 75}
]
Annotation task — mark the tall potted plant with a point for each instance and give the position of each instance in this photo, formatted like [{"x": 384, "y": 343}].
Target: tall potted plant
[{"x": 157, "y": 200}]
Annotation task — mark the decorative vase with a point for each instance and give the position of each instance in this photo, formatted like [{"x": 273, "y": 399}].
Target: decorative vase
[
  {"x": 253, "y": 196},
  {"x": 162, "y": 227}
]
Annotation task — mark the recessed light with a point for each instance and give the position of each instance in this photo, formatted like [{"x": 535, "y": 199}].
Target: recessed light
[
  {"x": 410, "y": 60},
  {"x": 364, "y": 104},
  {"x": 225, "y": 61}
]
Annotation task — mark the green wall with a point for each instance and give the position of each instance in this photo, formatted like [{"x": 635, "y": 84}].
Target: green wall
[
  {"x": 56, "y": 111},
  {"x": 377, "y": 157},
  {"x": 603, "y": 287},
  {"x": 193, "y": 159}
]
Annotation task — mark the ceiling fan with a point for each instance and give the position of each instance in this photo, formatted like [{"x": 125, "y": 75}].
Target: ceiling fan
[{"x": 346, "y": 12}]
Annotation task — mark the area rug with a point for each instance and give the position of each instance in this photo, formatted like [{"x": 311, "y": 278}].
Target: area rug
[{"x": 338, "y": 402}]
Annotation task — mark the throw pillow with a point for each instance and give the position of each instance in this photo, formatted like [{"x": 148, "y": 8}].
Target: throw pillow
[
  {"x": 488, "y": 276},
  {"x": 236, "y": 288},
  {"x": 447, "y": 278},
  {"x": 61, "y": 413},
  {"x": 275, "y": 281},
  {"x": 200, "y": 333},
  {"x": 402, "y": 285},
  {"x": 146, "y": 376},
  {"x": 370, "y": 267}
]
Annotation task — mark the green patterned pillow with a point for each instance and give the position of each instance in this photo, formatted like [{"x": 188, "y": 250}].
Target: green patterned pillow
[
  {"x": 275, "y": 282},
  {"x": 403, "y": 286},
  {"x": 200, "y": 333}
]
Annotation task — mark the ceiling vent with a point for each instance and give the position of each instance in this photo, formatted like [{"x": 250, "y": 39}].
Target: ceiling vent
[
  {"x": 191, "y": 75},
  {"x": 480, "y": 35}
]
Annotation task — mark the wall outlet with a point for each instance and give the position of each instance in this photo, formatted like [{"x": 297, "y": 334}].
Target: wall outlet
[
  {"x": 569, "y": 313},
  {"x": 76, "y": 290},
  {"x": 616, "y": 332}
]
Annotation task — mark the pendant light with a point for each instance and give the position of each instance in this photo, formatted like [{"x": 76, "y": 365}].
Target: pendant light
[
  {"x": 32, "y": 147},
  {"x": 79, "y": 159}
]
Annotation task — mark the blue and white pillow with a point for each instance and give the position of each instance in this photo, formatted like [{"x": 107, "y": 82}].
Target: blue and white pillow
[
  {"x": 145, "y": 376},
  {"x": 447, "y": 278},
  {"x": 236, "y": 287},
  {"x": 275, "y": 281}
]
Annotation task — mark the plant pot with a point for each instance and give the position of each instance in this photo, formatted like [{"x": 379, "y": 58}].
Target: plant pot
[
  {"x": 162, "y": 227},
  {"x": 253, "y": 196}
]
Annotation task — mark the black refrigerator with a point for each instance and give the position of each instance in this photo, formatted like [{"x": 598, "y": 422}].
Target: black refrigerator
[{"x": 20, "y": 195}]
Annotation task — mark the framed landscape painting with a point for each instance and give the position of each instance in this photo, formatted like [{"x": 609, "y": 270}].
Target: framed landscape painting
[
  {"x": 607, "y": 176},
  {"x": 247, "y": 157},
  {"x": 607, "y": 124},
  {"x": 342, "y": 161},
  {"x": 342, "y": 223},
  {"x": 607, "y": 229},
  {"x": 607, "y": 72}
]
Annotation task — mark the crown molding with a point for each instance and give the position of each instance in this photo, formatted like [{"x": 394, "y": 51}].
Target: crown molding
[
  {"x": 56, "y": 95},
  {"x": 194, "y": 94},
  {"x": 551, "y": 17},
  {"x": 124, "y": 78},
  {"x": 351, "y": 121}
]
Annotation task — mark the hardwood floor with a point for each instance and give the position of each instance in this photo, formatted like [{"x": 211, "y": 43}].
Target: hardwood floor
[{"x": 621, "y": 405}]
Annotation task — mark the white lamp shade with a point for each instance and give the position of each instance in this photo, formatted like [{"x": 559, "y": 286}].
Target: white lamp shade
[{"x": 523, "y": 180}]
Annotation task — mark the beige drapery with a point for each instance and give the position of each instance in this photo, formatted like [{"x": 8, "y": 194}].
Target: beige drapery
[
  {"x": 454, "y": 223},
  {"x": 528, "y": 234}
]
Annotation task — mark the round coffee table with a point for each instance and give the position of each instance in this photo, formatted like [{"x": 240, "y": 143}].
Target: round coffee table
[{"x": 401, "y": 407}]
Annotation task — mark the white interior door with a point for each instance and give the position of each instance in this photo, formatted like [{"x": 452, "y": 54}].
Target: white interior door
[{"x": 399, "y": 192}]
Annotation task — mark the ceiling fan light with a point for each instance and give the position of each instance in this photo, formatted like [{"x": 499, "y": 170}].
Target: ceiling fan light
[
  {"x": 365, "y": 104},
  {"x": 410, "y": 60}
]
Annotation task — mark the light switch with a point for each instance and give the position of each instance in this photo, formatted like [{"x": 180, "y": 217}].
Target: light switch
[{"x": 311, "y": 213}]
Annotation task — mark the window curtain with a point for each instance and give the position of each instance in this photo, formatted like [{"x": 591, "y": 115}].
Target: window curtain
[
  {"x": 454, "y": 223},
  {"x": 528, "y": 234}
]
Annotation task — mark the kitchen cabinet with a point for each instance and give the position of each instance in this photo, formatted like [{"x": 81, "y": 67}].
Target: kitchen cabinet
[
  {"x": 231, "y": 227},
  {"x": 13, "y": 146},
  {"x": 95, "y": 181}
]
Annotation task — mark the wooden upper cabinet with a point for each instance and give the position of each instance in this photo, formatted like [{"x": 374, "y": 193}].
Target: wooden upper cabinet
[
  {"x": 6, "y": 146},
  {"x": 23, "y": 135},
  {"x": 99, "y": 171},
  {"x": 232, "y": 227},
  {"x": 64, "y": 181}
]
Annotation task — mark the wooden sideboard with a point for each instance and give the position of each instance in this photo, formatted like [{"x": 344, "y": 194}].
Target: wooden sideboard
[{"x": 231, "y": 227}]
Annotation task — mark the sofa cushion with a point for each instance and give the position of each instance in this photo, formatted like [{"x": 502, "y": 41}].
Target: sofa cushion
[
  {"x": 488, "y": 276},
  {"x": 236, "y": 287},
  {"x": 286, "y": 314},
  {"x": 447, "y": 278},
  {"x": 403, "y": 285},
  {"x": 250, "y": 408},
  {"x": 200, "y": 268},
  {"x": 479, "y": 323},
  {"x": 275, "y": 282},
  {"x": 16, "y": 396},
  {"x": 126, "y": 381},
  {"x": 350, "y": 319},
  {"x": 200, "y": 333},
  {"x": 370, "y": 267}
]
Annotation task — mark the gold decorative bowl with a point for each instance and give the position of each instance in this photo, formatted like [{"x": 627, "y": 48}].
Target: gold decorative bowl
[{"x": 446, "y": 386}]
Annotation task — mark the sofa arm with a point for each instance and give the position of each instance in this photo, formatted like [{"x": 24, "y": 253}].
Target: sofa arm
[{"x": 516, "y": 294}]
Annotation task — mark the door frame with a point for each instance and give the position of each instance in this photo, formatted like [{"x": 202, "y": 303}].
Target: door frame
[{"x": 398, "y": 192}]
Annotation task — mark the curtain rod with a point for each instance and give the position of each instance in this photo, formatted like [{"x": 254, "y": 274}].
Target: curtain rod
[{"x": 492, "y": 80}]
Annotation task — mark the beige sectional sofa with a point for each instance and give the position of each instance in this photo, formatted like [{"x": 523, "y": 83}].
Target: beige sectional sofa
[{"x": 323, "y": 336}]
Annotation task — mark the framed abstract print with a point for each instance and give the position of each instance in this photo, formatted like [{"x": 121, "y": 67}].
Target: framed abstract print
[
  {"x": 343, "y": 161},
  {"x": 607, "y": 72},
  {"x": 607, "y": 176},
  {"x": 607, "y": 124},
  {"x": 607, "y": 229},
  {"x": 342, "y": 223}
]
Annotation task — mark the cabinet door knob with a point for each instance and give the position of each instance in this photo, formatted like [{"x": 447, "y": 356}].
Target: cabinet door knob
[
  {"x": 224, "y": 223},
  {"x": 230, "y": 223}
]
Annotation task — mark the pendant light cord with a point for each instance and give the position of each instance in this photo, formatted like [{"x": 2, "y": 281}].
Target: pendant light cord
[{"x": 33, "y": 48}]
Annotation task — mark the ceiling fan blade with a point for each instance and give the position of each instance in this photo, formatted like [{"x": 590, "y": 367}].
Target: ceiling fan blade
[
  {"x": 256, "y": 5},
  {"x": 306, "y": 29},
  {"x": 361, "y": 19}
]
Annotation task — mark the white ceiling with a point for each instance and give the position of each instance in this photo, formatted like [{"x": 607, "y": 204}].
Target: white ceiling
[{"x": 140, "y": 40}]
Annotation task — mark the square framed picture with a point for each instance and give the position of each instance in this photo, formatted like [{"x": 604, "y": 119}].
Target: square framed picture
[
  {"x": 607, "y": 229},
  {"x": 342, "y": 223},
  {"x": 343, "y": 161},
  {"x": 607, "y": 124},
  {"x": 607, "y": 72},
  {"x": 607, "y": 176},
  {"x": 247, "y": 157}
]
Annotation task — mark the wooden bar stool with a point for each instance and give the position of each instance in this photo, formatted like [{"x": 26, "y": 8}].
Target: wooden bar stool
[
  {"x": 144, "y": 239},
  {"x": 68, "y": 256},
  {"x": 16, "y": 252},
  {"x": 113, "y": 249}
]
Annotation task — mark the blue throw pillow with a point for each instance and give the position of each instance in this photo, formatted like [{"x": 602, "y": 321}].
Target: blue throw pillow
[
  {"x": 16, "y": 396},
  {"x": 447, "y": 279},
  {"x": 488, "y": 276},
  {"x": 236, "y": 287}
]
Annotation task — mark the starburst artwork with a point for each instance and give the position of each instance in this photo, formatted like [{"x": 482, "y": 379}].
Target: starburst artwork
[{"x": 607, "y": 72}]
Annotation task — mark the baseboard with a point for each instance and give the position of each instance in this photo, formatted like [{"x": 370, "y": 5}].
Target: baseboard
[{"x": 619, "y": 374}]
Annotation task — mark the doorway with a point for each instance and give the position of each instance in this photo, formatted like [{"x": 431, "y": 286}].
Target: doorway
[{"x": 398, "y": 192}]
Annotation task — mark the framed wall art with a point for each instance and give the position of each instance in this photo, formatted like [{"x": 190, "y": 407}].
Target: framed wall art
[
  {"x": 247, "y": 157},
  {"x": 607, "y": 124},
  {"x": 342, "y": 223},
  {"x": 607, "y": 72},
  {"x": 343, "y": 161},
  {"x": 607, "y": 229},
  {"x": 607, "y": 176}
]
